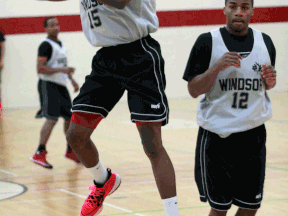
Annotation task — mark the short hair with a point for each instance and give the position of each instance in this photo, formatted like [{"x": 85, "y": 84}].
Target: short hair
[
  {"x": 252, "y": 3},
  {"x": 46, "y": 21}
]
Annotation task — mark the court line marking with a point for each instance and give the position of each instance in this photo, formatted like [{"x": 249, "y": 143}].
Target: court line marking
[
  {"x": 7, "y": 172},
  {"x": 107, "y": 204},
  {"x": 38, "y": 200}
]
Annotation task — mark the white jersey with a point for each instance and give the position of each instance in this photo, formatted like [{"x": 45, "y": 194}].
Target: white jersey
[
  {"x": 58, "y": 59},
  {"x": 104, "y": 25},
  {"x": 238, "y": 100}
]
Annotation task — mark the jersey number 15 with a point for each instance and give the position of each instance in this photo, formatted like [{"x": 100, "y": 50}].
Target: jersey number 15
[{"x": 94, "y": 19}]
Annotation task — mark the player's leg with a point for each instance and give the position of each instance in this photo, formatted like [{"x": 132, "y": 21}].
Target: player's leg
[
  {"x": 97, "y": 97},
  {"x": 66, "y": 105},
  {"x": 105, "y": 182},
  {"x": 78, "y": 137},
  {"x": 215, "y": 212},
  {"x": 148, "y": 103},
  {"x": 250, "y": 164},
  {"x": 162, "y": 167},
  {"x": 246, "y": 212},
  {"x": 70, "y": 154},
  {"x": 50, "y": 109},
  {"x": 45, "y": 133}
]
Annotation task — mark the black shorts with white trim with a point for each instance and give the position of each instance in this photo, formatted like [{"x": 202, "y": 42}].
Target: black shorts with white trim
[
  {"x": 55, "y": 101},
  {"x": 231, "y": 170},
  {"x": 137, "y": 67}
]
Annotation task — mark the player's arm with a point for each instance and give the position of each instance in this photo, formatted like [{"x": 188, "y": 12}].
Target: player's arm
[
  {"x": 201, "y": 78},
  {"x": 44, "y": 53},
  {"x": 268, "y": 72},
  {"x": 119, "y": 4},
  {"x": 74, "y": 83},
  {"x": 203, "y": 83},
  {"x": 198, "y": 63},
  {"x": 42, "y": 67}
]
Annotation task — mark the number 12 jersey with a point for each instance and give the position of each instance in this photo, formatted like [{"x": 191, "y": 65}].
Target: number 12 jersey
[{"x": 238, "y": 100}]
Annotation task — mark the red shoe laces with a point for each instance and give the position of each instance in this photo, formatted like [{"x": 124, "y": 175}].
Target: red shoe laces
[{"x": 96, "y": 196}]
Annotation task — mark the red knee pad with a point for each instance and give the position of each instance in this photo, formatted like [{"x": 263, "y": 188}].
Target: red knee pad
[
  {"x": 86, "y": 119},
  {"x": 143, "y": 122}
]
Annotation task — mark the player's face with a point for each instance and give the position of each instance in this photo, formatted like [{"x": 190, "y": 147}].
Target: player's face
[
  {"x": 238, "y": 14},
  {"x": 53, "y": 27}
]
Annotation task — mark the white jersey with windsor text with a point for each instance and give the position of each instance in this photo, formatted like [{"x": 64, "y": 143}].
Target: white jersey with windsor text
[
  {"x": 105, "y": 25},
  {"x": 238, "y": 100},
  {"x": 58, "y": 59}
]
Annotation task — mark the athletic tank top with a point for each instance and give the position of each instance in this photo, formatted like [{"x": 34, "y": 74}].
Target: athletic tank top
[
  {"x": 58, "y": 59},
  {"x": 104, "y": 25},
  {"x": 238, "y": 100}
]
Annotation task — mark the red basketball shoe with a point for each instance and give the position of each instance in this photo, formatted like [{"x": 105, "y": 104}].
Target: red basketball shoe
[
  {"x": 72, "y": 156},
  {"x": 40, "y": 158},
  {"x": 93, "y": 204}
]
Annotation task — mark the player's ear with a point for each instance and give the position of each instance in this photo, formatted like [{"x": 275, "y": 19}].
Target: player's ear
[
  {"x": 252, "y": 12},
  {"x": 224, "y": 10}
]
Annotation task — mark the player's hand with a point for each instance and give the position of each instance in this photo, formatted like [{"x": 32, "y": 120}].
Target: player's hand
[
  {"x": 268, "y": 73},
  {"x": 68, "y": 70},
  {"x": 1, "y": 65},
  {"x": 227, "y": 60},
  {"x": 75, "y": 85}
]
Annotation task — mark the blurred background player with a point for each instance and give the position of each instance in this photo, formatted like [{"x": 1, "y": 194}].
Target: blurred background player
[
  {"x": 233, "y": 67},
  {"x": 2, "y": 40},
  {"x": 54, "y": 97}
]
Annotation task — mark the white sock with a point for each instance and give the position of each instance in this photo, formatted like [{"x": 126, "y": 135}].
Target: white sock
[
  {"x": 171, "y": 206},
  {"x": 100, "y": 174}
]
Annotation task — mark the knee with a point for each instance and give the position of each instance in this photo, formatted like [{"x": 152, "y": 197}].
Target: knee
[
  {"x": 75, "y": 139},
  {"x": 150, "y": 149}
]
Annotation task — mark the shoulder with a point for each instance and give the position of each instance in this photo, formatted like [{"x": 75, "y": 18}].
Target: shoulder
[
  {"x": 266, "y": 38},
  {"x": 204, "y": 38},
  {"x": 268, "y": 41},
  {"x": 45, "y": 45},
  {"x": 204, "y": 41}
]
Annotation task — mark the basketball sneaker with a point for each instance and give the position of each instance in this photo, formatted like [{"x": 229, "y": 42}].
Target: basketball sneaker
[
  {"x": 93, "y": 204},
  {"x": 72, "y": 156},
  {"x": 40, "y": 158}
]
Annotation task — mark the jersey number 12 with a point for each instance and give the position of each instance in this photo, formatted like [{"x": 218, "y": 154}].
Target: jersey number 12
[{"x": 243, "y": 100}]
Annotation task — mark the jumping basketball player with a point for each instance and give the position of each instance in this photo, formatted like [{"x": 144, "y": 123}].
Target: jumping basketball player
[{"x": 130, "y": 59}]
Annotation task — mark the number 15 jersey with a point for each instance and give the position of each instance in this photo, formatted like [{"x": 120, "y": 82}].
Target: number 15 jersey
[
  {"x": 105, "y": 25},
  {"x": 238, "y": 100}
]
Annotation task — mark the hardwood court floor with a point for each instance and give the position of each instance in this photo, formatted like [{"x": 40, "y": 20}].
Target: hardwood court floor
[{"x": 62, "y": 190}]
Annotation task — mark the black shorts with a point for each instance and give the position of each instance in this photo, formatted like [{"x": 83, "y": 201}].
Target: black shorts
[
  {"x": 55, "y": 101},
  {"x": 137, "y": 67},
  {"x": 231, "y": 170}
]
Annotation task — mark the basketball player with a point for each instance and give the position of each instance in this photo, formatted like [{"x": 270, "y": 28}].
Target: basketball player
[
  {"x": 54, "y": 97},
  {"x": 2, "y": 40},
  {"x": 130, "y": 59},
  {"x": 232, "y": 67}
]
